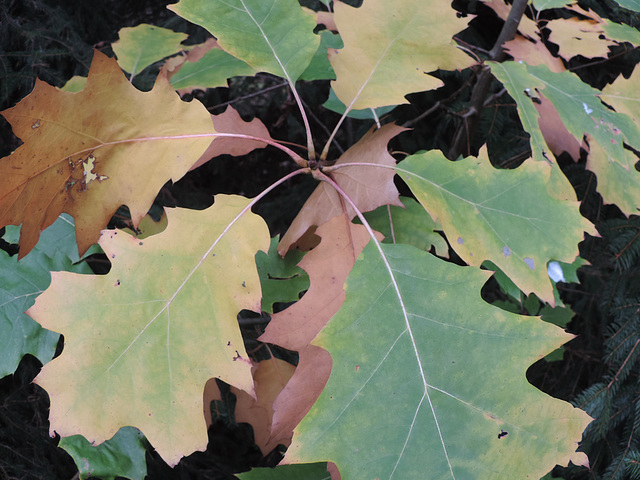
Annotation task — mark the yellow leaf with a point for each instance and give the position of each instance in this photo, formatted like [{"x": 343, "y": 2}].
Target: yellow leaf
[
  {"x": 142, "y": 341},
  {"x": 391, "y": 47}
]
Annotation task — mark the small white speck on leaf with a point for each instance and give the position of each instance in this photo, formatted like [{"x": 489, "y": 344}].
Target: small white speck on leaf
[{"x": 529, "y": 262}]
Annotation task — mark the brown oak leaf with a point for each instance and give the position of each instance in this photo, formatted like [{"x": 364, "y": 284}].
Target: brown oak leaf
[
  {"x": 369, "y": 187},
  {"x": 230, "y": 122},
  {"x": 328, "y": 266},
  {"x": 270, "y": 376},
  {"x": 88, "y": 153}
]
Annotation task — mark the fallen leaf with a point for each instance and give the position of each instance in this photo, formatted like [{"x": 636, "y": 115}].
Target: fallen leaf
[
  {"x": 385, "y": 55},
  {"x": 89, "y": 164},
  {"x": 369, "y": 187},
  {"x": 143, "y": 340}
]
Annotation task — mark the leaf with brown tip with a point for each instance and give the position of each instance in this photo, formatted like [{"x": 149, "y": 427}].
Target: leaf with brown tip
[{"x": 90, "y": 152}]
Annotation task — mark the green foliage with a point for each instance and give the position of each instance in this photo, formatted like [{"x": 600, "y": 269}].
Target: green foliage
[
  {"x": 120, "y": 456},
  {"x": 22, "y": 282}
]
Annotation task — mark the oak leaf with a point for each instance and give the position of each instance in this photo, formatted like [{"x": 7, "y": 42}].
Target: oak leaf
[
  {"x": 269, "y": 376},
  {"x": 143, "y": 45},
  {"x": 369, "y": 187},
  {"x": 275, "y": 36},
  {"x": 328, "y": 266},
  {"x": 385, "y": 54},
  {"x": 22, "y": 281},
  {"x": 579, "y": 37},
  {"x": 143, "y": 340},
  {"x": 454, "y": 371},
  {"x": 505, "y": 216},
  {"x": 90, "y": 152},
  {"x": 230, "y": 122}
]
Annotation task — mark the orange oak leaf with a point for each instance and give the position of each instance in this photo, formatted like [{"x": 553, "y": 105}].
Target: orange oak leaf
[
  {"x": 230, "y": 122},
  {"x": 533, "y": 52},
  {"x": 88, "y": 153},
  {"x": 269, "y": 376},
  {"x": 369, "y": 187},
  {"x": 328, "y": 266}
]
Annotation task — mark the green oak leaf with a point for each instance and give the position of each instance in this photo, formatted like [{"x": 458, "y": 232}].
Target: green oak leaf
[
  {"x": 121, "y": 456},
  {"x": 428, "y": 377},
  {"x": 412, "y": 225},
  {"x": 505, "y": 216},
  {"x": 334, "y": 104},
  {"x": 274, "y": 36},
  {"x": 22, "y": 281},
  {"x": 211, "y": 71},
  {"x": 143, "y": 45},
  {"x": 630, "y": 4},
  {"x": 280, "y": 278},
  {"x": 313, "y": 471},
  {"x": 320, "y": 68}
]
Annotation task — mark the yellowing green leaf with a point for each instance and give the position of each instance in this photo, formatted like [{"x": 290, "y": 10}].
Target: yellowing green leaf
[
  {"x": 505, "y": 216},
  {"x": 453, "y": 372},
  {"x": 274, "y": 36},
  {"x": 391, "y": 47},
  {"x": 583, "y": 113},
  {"x": 579, "y": 37},
  {"x": 142, "y": 45},
  {"x": 88, "y": 164},
  {"x": 142, "y": 341}
]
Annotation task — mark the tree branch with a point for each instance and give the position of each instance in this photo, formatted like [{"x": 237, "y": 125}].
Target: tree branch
[{"x": 466, "y": 130}]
